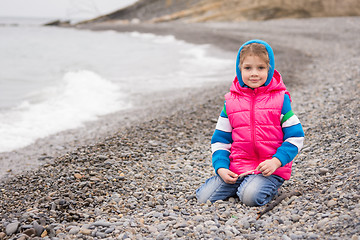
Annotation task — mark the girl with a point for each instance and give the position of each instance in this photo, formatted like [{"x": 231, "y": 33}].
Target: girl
[{"x": 257, "y": 134}]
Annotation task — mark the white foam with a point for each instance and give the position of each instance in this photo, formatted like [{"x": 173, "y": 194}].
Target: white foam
[
  {"x": 156, "y": 38},
  {"x": 82, "y": 96}
]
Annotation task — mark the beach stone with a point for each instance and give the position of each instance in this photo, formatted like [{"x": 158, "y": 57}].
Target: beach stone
[
  {"x": 295, "y": 218},
  {"x": 23, "y": 237},
  {"x": 86, "y": 231},
  {"x": 331, "y": 189},
  {"x": 285, "y": 237},
  {"x": 12, "y": 228},
  {"x": 102, "y": 157},
  {"x": 101, "y": 223},
  {"x": 250, "y": 236},
  {"x": 344, "y": 217},
  {"x": 78, "y": 176},
  {"x": 202, "y": 229},
  {"x": 294, "y": 236},
  {"x": 323, "y": 171},
  {"x": 152, "y": 229},
  {"x": 355, "y": 237},
  {"x": 313, "y": 236},
  {"x": 74, "y": 230},
  {"x": 30, "y": 232},
  {"x": 235, "y": 231},
  {"x": 110, "y": 229},
  {"x": 38, "y": 228},
  {"x": 51, "y": 232},
  {"x": 180, "y": 233},
  {"x": 198, "y": 218},
  {"x": 244, "y": 223},
  {"x": 26, "y": 226},
  {"x": 230, "y": 221},
  {"x": 100, "y": 235},
  {"x": 209, "y": 223},
  {"x": 181, "y": 224},
  {"x": 2, "y": 235},
  {"x": 44, "y": 234},
  {"x": 94, "y": 179},
  {"x": 161, "y": 227},
  {"x": 321, "y": 224},
  {"x": 331, "y": 203},
  {"x": 214, "y": 228}
]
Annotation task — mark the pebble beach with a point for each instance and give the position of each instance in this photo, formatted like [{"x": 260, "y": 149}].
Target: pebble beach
[{"x": 139, "y": 181}]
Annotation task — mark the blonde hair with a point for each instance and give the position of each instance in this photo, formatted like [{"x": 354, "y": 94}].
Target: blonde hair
[{"x": 255, "y": 49}]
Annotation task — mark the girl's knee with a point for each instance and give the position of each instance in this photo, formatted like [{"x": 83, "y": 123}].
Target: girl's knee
[
  {"x": 201, "y": 195},
  {"x": 250, "y": 197},
  {"x": 206, "y": 190},
  {"x": 258, "y": 190}
]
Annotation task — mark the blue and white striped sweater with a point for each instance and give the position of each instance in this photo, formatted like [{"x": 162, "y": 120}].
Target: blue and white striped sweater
[{"x": 293, "y": 138}]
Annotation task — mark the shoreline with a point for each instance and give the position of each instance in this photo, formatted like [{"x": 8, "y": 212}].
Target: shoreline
[
  {"x": 145, "y": 106},
  {"x": 140, "y": 183},
  {"x": 46, "y": 150}
]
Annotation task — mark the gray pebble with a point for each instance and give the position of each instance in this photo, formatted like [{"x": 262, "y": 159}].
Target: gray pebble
[
  {"x": 74, "y": 230},
  {"x": 323, "y": 171},
  {"x": 110, "y": 230},
  {"x": 180, "y": 233},
  {"x": 12, "y": 228},
  {"x": 245, "y": 224},
  {"x": 100, "y": 235},
  {"x": 295, "y": 218},
  {"x": 285, "y": 237},
  {"x": 102, "y": 223}
]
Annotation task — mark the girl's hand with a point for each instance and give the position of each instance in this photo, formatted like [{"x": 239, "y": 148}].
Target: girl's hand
[
  {"x": 269, "y": 166},
  {"x": 228, "y": 176}
]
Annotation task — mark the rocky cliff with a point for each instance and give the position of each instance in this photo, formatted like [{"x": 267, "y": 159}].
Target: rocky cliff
[{"x": 230, "y": 10}]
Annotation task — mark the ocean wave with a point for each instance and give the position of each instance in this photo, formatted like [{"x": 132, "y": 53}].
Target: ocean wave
[{"x": 82, "y": 96}]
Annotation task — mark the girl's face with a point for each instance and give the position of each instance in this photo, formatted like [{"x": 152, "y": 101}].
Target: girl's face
[{"x": 254, "y": 71}]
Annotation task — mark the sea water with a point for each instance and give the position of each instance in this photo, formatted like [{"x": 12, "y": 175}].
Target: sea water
[{"x": 53, "y": 79}]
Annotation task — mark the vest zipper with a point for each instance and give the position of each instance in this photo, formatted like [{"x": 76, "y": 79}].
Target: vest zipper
[{"x": 252, "y": 124}]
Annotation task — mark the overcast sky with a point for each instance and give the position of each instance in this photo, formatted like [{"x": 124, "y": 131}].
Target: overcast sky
[{"x": 63, "y": 9}]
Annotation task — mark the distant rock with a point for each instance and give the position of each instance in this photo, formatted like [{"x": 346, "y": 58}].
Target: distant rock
[
  {"x": 57, "y": 23},
  {"x": 232, "y": 10}
]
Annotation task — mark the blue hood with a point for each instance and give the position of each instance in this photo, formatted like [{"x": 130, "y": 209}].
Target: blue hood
[{"x": 271, "y": 57}]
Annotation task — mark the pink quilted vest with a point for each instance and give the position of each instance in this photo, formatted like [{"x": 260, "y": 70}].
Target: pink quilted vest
[{"x": 254, "y": 115}]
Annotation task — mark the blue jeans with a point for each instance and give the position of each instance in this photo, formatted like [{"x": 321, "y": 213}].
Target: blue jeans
[{"x": 253, "y": 190}]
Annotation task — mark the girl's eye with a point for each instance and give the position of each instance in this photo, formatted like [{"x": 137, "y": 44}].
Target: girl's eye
[
  {"x": 246, "y": 68},
  {"x": 262, "y": 68}
]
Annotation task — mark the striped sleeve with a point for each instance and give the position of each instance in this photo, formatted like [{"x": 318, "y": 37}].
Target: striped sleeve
[
  {"x": 293, "y": 134},
  {"x": 221, "y": 142}
]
